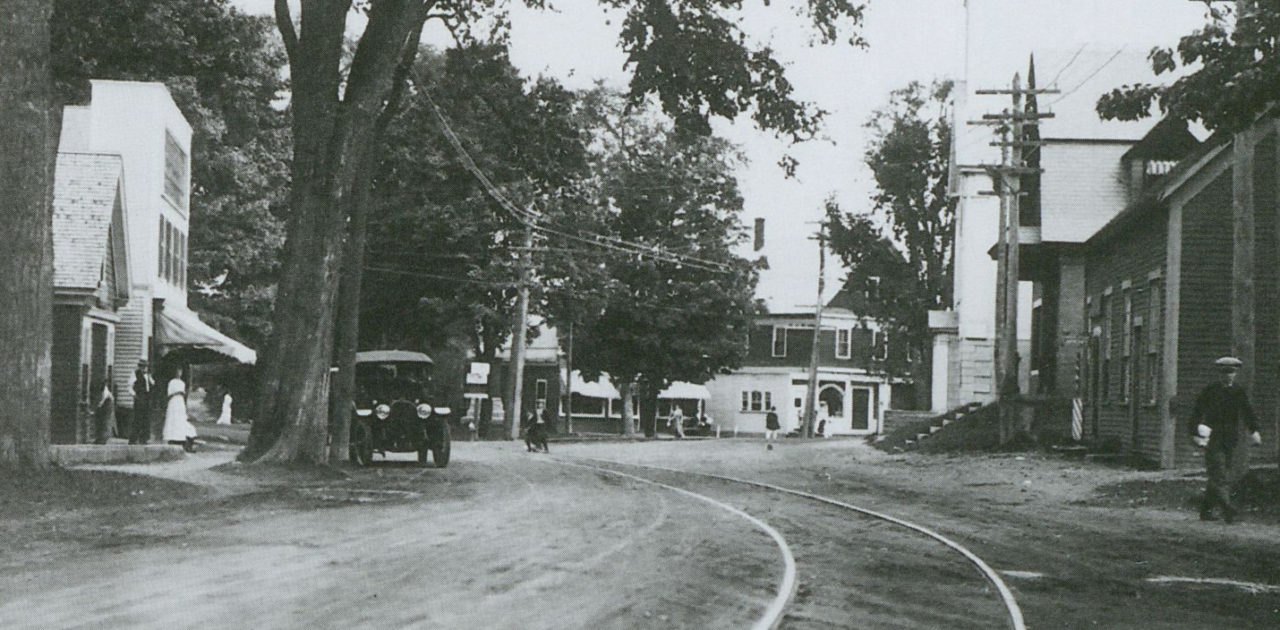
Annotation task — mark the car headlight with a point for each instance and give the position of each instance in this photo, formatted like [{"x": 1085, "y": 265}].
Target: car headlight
[
  {"x": 424, "y": 411},
  {"x": 383, "y": 411},
  {"x": 443, "y": 411},
  {"x": 364, "y": 413}
]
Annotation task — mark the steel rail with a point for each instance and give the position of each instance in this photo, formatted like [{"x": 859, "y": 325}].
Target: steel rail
[
  {"x": 787, "y": 586},
  {"x": 1011, "y": 605}
]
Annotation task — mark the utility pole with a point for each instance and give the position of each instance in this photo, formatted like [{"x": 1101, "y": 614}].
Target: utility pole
[
  {"x": 568, "y": 403},
  {"x": 811, "y": 394},
  {"x": 518, "y": 329},
  {"x": 1007, "y": 178}
]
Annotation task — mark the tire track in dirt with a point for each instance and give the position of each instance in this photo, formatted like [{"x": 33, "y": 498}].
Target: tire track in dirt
[
  {"x": 1013, "y": 611},
  {"x": 786, "y": 590}
]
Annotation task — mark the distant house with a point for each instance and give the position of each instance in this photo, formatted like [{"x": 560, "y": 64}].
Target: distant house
[
  {"x": 137, "y": 127},
  {"x": 862, "y": 372},
  {"x": 91, "y": 283}
]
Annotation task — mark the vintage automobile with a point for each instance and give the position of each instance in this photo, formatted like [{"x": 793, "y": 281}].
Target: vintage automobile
[{"x": 393, "y": 408}]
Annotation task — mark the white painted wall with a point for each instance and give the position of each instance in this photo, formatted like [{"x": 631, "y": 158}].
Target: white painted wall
[{"x": 130, "y": 118}]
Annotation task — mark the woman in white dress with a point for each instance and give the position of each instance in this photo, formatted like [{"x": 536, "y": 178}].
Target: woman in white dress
[
  {"x": 177, "y": 429},
  {"x": 225, "y": 418}
]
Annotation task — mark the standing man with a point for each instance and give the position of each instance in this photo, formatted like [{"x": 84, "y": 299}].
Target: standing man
[
  {"x": 143, "y": 385},
  {"x": 1223, "y": 421},
  {"x": 771, "y": 426}
]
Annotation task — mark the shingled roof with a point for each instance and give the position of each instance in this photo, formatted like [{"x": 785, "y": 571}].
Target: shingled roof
[{"x": 86, "y": 187}]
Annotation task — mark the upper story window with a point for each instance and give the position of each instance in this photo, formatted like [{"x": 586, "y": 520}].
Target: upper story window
[
  {"x": 843, "y": 344},
  {"x": 779, "y": 341},
  {"x": 880, "y": 345},
  {"x": 873, "y": 287},
  {"x": 175, "y": 173},
  {"x": 172, "y": 262}
]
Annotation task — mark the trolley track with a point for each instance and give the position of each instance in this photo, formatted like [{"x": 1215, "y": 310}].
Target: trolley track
[{"x": 1012, "y": 611}]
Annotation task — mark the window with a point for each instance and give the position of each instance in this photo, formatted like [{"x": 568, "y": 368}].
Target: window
[
  {"x": 1155, "y": 307},
  {"x": 175, "y": 172},
  {"x": 779, "y": 341},
  {"x": 1126, "y": 349},
  {"x": 756, "y": 400},
  {"x": 1105, "y": 342},
  {"x": 843, "y": 346},
  {"x": 162, "y": 262},
  {"x": 540, "y": 390},
  {"x": 880, "y": 345},
  {"x": 873, "y": 288},
  {"x": 172, "y": 260}
]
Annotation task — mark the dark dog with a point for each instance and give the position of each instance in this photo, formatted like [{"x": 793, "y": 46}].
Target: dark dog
[{"x": 535, "y": 437}]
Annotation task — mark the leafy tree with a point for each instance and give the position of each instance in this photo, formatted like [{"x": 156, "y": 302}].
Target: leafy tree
[
  {"x": 28, "y": 139},
  {"x": 691, "y": 56},
  {"x": 650, "y": 319},
  {"x": 443, "y": 276},
  {"x": 1236, "y": 72},
  {"x": 224, "y": 70},
  {"x": 902, "y": 256}
]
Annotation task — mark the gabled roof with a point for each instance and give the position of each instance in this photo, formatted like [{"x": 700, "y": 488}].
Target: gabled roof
[{"x": 88, "y": 198}]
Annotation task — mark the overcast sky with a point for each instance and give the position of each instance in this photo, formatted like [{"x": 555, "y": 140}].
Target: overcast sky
[{"x": 908, "y": 40}]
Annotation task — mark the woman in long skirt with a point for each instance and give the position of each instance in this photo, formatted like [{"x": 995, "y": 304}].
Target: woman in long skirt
[{"x": 177, "y": 429}]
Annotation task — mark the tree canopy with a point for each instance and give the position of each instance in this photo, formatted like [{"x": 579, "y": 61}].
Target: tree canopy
[
  {"x": 443, "y": 263},
  {"x": 654, "y": 319},
  {"x": 1230, "y": 66},
  {"x": 901, "y": 256}
]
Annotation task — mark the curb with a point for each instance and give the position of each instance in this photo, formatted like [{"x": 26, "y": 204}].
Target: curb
[{"x": 76, "y": 454}]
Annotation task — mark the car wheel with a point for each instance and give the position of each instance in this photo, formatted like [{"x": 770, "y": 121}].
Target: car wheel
[
  {"x": 361, "y": 451},
  {"x": 440, "y": 454}
]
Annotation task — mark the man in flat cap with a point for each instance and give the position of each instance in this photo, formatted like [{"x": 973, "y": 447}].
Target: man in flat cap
[{"x": 1224, "y": 423}]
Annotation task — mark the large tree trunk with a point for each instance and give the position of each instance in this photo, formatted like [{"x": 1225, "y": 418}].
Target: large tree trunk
[
  {"x": 649, "y": 408},
  {"x": 347, "y": 331},
  {"x": 28, "y": 140},
  {"x": 349, "y": 286},
  {"x": 333, "y": 145},
  {"x": 627, "y": 391}
]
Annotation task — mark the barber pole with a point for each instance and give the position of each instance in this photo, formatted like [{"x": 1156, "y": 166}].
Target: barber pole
[{"x": 1077, "y": 406}]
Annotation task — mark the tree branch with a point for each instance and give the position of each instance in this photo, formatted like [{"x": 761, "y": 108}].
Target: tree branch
[{"x": 284, "y": 22}]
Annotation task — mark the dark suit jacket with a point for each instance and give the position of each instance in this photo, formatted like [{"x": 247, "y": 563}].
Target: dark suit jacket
[{"x": 1225, "y": 410}]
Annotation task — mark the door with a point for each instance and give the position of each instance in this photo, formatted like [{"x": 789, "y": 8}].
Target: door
[
  {"x": 1093, "y": 354},
  {"x": 860, "y": 406},
  {"x": 798, "y": 393},
  {"x": 830, "y": 405},
  {"x": 1133, "y": 391}
]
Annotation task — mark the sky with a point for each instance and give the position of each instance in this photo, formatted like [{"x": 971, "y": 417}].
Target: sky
[{"x": 908, "y": 40}]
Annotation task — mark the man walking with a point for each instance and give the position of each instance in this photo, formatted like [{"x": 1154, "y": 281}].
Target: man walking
[
  {"x": 1223, "y": 421},
  {"x": 143, "y": 384},
  {"x": 771, "y": 426}
]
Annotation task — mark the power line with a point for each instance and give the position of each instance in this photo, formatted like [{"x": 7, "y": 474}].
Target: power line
[
  {"x": 530, "y": 218},
  {"x": 1091, "y": 75}
]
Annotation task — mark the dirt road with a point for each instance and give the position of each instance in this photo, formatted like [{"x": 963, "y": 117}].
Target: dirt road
[{"x": 505, "y": 539}]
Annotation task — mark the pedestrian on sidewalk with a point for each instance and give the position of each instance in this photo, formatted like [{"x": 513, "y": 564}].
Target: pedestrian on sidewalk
[
  {"x": 676, "y": 422},
  {"x": 1223, "y": 421},
  {"x": 177, "y": 428},
  {"x": 143, "y": 390},
  {"x": 771, "y": 426},
  {"x": 104, "y": 414}
]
